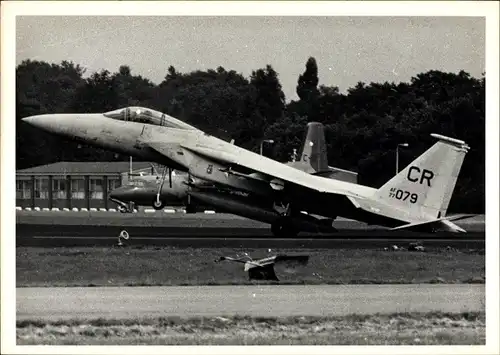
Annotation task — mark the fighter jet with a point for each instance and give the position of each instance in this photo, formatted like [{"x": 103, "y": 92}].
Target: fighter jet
[
  {"x": 143, "y": 191},
  {"x": 120, "y": 131},
  {"x": 417, "y": 198}
]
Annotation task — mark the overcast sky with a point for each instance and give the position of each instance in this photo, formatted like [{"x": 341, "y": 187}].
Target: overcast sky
[{"x": 347, "y": 49}]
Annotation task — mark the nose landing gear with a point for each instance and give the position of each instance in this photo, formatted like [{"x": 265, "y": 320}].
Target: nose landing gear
[{"x": 159, "y": 204}]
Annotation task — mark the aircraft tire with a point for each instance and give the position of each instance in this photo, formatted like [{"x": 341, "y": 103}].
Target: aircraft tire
[
  {"x": 158, "y": 206},
  {"x": 190, "y": 208},
  {"x": 282, "y": 229}
]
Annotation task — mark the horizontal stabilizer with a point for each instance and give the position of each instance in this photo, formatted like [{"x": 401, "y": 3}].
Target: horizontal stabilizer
[
  {"x": 457, "y": 217},
  {"x": 339, "y": 174},
  {"x": 440, "y": 224}
]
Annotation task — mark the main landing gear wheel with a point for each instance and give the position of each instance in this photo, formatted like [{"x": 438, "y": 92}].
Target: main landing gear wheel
[
  {"x": 282, "y": 229},
  {"x": 190, "y": 208},
  {"x": 158, "y": 205}
]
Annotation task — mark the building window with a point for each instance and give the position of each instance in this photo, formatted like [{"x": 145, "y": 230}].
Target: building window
[
  {"x": 41, "y": 188},
  {"x": 59, "y": 189},
  {"x": 19, "y": 189},
  {"x": 113, "y": 184},
  {"x": 23, "y": 189},
  {"x": 96, "y": 191},
  {"x": 78, "y": 189}
]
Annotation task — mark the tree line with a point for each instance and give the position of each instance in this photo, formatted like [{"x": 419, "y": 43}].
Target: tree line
[{"x": 363, "y": 127}]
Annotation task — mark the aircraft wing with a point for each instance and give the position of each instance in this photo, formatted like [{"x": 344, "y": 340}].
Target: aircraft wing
[{"x": 239, "y": 157}]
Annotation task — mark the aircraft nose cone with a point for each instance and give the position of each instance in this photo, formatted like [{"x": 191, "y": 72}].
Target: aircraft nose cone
[
  {"x": 45, "y": 122},
  {"x": 72, "y": 125},
  {"x": 33, "y": 120}
]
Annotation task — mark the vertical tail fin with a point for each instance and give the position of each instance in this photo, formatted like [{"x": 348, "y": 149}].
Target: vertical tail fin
[
  {"x": 425, "y": 187},
  {"x": 313, "y": 150},
  {"x": 314, "y": 159}
]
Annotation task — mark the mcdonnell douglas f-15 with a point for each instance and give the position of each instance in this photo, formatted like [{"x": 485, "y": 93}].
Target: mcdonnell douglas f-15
[
  {"x": 192, "y": 191},
  {"x": 143, "y": 190},
  {"x": 417, "y": 198}
]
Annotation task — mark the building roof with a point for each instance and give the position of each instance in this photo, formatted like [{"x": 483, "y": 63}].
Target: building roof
[{"x": 87, "y": 168}]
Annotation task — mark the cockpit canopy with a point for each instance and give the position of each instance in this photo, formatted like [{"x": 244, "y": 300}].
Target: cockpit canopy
[{"x": 147, "y": 116}]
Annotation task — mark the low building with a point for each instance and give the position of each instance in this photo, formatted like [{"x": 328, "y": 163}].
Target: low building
[{"x": 73, "y": 184}]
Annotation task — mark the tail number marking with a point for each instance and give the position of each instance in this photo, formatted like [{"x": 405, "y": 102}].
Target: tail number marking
[{"x": 402, "y": 195}]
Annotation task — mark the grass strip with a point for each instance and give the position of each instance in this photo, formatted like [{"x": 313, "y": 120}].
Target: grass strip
[
  {"x": 434, "y": 328},
  {"x": 163, "y": 266}
]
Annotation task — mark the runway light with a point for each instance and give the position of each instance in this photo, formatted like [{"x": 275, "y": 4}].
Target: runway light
[{"x": 123, "y": 235}]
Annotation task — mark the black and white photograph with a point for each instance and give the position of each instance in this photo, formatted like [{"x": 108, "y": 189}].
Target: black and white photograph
[{"x": 250, "y": 173}]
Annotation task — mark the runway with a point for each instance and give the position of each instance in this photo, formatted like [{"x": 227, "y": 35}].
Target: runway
[
  {"x": 259, "y": 301},
  {"x": 181, "y": 220},
  {"x": 191, "y": 241},
  {"x": 51, "y": 229}
]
